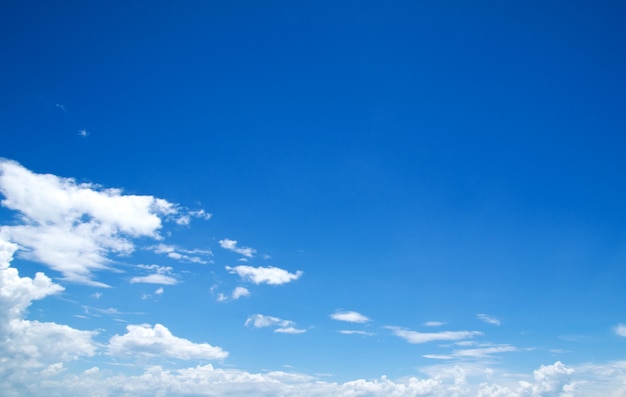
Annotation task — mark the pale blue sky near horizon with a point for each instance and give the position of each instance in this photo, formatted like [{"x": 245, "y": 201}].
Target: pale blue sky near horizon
[{"x": 408, "y": 162}]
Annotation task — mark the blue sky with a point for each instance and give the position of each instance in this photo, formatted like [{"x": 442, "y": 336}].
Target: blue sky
[{"x": 313, "y": 198}]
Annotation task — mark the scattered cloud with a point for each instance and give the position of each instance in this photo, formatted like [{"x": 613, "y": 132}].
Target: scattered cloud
[
  {"x": 261, "y": 321},
  {"x": 62, "y": 107},
  {"x": 231, "y": 245},
  {"x": 488, "y": 319},
  {"x": 349, "y": 316},
  {"x": 434, "y": 324},
  {"x": 185, "y": 218},
  {"x": 416, "y": 337},
  {"x": 281, "y": 326},
  {"x": 83, "y": 132},
  {"x": 264, "y": 275},
  {"x": 162, "y": 275},
  {"x": 620, "y": 330},
  {"x": 239, "y": 292},
  {"x": 180, "y": 254},
  {"x": 159, "y": 291},
  {"x": 158, "y": 341}
]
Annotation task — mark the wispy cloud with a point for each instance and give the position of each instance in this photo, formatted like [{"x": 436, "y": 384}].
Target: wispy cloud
[
  {"x": 181, "y": 254},
  {"x": 488, "y": 319},
  {"x": 281, "y": 326},
  {"x": 620, "y": 330},
  {"x": 416, "y": 337},
  {"x": 349, "y": 316},
  {"x": 231, "y": 245},
  {"x": 434, "y": 324},
  {"x": 62, "y": 107},
  {"x": 83, "y": 132},
  {"x": 264, "y": 275},
  {"x": 162, "y": 275},
  {"x": 354, "y": 332}
]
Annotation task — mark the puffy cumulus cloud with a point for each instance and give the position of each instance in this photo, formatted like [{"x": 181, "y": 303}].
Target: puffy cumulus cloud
[
  {"x": 206, "y": 380},
  {"x": 550, "y": 380},
  {"x": 264, "y": 275},
  {"x": 349, "y": 316},
  {"x": 620, "y": 330},
  {"x": 231, "y": 245},
  {"x": 73, "y": 227},
  {"x": 158, "y": 341},
  {"x": 239, "y": 292},
  {"x": 162, "y": 275},
  {"x": 28, "y": 344},
  {"x": 416, "y": 337},
  {"x": 488, "y": 319}
]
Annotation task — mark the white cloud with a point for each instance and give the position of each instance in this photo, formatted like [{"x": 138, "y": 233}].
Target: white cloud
[
  {"x": 73, "y": 227},
  {"x": 620, "y": 330},
  {"x": 281, "y": 326},
  {"x": 482, "y": 351},
  {"x": 434, "y": 324},
  {"x": 415, "y": 337},
  {"x": 24, "y": 343},
  {"x": 349, "y": 316},
  {"x": 180, "y": 254},
  {"x": 268, "y": 275},
  {"x": 161, "y": 276},
  {"x": 261, "y": 321},
  {"x": 239, "y": 292},
  {"x": 83, "y": 132},
  {"x": 289, "y": 330},
  {"x": 354, "y": 332},
  {"x": 159, "y": 291},
  {"x": 185, "y": 219},
  {"x": 208, "y": 381},
  {"x": 488, "y": 319},
  {"x": 158, "y": 341},
  {"x": 231, "y": 245}
]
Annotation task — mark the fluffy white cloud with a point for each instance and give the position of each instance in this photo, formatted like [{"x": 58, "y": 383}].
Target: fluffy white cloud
[
  {"x": 488, "y": 319},
  {"x": 24, "y": 343},
  {"x": 239, "y": 292},
  {"x": 162, "y": 275},
  {"x": 231, "y": 245},
  {"x": 416, "y": 337},
  {"x": 349, "y": 316},
  {"x": 206, "y": 380},
  {"x": 268, "y": 275},
  {"x": 158, "y": 341},
  {"x": 620, "y": 330},
  {"x": 73, "y": 227}
]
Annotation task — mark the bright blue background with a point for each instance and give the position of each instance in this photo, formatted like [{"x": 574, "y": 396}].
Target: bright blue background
[{"x": 417, "y": 160}]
